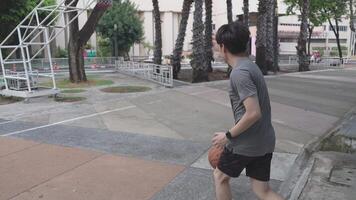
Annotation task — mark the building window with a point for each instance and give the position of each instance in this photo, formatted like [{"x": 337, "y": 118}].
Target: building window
[
  {"x": 341, "y": 28},
  {"x": 213, "y": 26}
]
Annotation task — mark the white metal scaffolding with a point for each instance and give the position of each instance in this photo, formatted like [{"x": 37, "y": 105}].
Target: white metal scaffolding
[{"x": 30, "y": 38}]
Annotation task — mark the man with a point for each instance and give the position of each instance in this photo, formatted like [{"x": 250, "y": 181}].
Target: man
[{"x": 250, "y": 143}]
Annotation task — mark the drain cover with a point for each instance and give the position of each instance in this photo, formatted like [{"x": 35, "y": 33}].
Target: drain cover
[{"x": 344, "y": 176}]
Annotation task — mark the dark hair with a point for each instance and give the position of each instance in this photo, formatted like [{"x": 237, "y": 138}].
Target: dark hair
[{"x": 234, "y": 36}]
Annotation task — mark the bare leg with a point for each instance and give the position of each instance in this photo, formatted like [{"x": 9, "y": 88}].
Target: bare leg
[
  {"x": 222, "y": 186},
  {"x": 263, "y": 191}
]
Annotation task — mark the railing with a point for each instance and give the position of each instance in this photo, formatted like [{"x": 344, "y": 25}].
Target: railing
[
  {"x": 160, "y": 74},
  {"x": 322, "y": 61}
]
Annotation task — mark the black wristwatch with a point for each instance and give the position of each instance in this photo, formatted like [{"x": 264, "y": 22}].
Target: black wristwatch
[{"x": 228, "y": 135}]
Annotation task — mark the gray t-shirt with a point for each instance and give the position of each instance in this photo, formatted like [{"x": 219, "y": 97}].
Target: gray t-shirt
[{"x": 247, "y": 80}]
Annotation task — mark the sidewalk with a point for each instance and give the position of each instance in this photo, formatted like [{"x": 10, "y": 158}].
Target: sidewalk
[{"x": 153, "y": 145}]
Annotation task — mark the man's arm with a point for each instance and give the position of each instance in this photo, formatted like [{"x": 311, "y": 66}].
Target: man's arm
[{"x": 251, "y": 116}]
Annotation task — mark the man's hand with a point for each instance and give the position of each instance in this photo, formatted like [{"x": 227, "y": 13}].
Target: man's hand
[{"x": 219, "y": 139}]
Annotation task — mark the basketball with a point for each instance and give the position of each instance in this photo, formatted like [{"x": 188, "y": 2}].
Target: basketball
[{"x": 214, "y": 156}]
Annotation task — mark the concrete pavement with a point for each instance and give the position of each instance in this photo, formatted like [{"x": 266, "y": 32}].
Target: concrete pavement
[{"x": 153, "y": 145}]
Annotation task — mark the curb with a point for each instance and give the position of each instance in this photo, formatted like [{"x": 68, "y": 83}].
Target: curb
[{"x": 298, "y": 175}]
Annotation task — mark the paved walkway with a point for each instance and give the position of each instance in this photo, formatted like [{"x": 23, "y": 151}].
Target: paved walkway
[{"x": 153, "y": 145}]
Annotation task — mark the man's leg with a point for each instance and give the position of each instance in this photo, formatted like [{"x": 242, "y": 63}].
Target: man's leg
[
  {"x": 222, "y": 185},
  {"x": 263, "y": 191}
]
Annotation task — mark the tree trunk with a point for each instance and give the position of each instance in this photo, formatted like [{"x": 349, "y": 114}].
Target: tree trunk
[
  {"x": 177, "y": 53},
  {"x": 269, "y": 35},
  {"x": 246, "y": 13},
  {"x": 261, "y": 36},
  {"x": 229, "y": 20},
  {"x": 310, "y": 28},
  {"x": 158, "y": 34},
  {"x": 229, "y": 10},
  {"x": 303, "y": 35},
  {"x": 275, "y": 37},
  {"x": 337, "y": 36},
  {"x": 200, "y": 73},
  {"x": 208, "y": 35},
  {"x": 77, "y": 40},
  {"x": 246, "y": 23},
  {"x": 352, "y": 24}
]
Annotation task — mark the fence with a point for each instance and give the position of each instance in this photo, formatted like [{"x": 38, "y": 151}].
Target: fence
[{"x": 160, "y": 74}]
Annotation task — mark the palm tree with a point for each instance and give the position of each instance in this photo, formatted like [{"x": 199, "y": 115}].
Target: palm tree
[
  {"x": 303, "y": 35},
  {"x": 269, "y": 35},
  {"x": 261, "y": 36},
  {"x": 246, "y": 22},
  {"x": 208, "y": 34},
  {"x": 177, "y": 53},
  {"x": 275, "y": 37},
  {"x": 246, "y": 12},
  {"x": 229, "y": 10},
  {"x": 200, "y": 73},
  {"x": 158, "y": 34},
  {"x": 229, "y": 20}
]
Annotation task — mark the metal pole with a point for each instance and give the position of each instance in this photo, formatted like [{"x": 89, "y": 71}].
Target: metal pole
[
  {"x": 115, "y": 41},
  {"x": 50, "y": 59},
  {"x": 3, "y": 69},
  {"x": 24, "y": 60}
]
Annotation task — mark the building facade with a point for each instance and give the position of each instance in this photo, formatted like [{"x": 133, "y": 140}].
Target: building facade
[{"x": 323, "y": 39}]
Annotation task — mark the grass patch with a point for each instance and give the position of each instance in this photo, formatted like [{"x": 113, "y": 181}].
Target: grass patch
[
  {"x": 69, "y": 99},
  {"x": 8, "y": 100},
  {"x": 338, "y": 143},
  {"x": 71, "y": 91},
  {"x": 126, "y": 89},
  {"x": 65, "y": 83}
]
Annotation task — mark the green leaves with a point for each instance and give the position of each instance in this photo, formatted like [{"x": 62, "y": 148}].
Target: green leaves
[
  {"x": 123, "y": 14},
  {"x": 320, "y": 10},
  {"x": 14, "y": 11}
]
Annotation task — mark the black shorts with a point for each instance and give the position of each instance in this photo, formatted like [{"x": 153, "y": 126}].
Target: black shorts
[{"x": 258, "y": 168}]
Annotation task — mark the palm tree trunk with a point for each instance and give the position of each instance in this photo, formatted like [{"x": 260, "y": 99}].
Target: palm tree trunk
[
  {"x": 246, "y": 13},
  {"x": 157, "y": 55},
  {"x": 208, "y": 34},
  {"x": 261, "y": 36},
  {"x": 246, "y": 22},
  {"x": 275, "y": 37},
  {"x": 177, "y": 53},
  {"x": 269, "y": 35},
  {"x": 200, "y": 73},
  {"x": 302, "y": 41},
  {"x": 229, "y": 10},
  {"x": 229, "y": 20}
]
